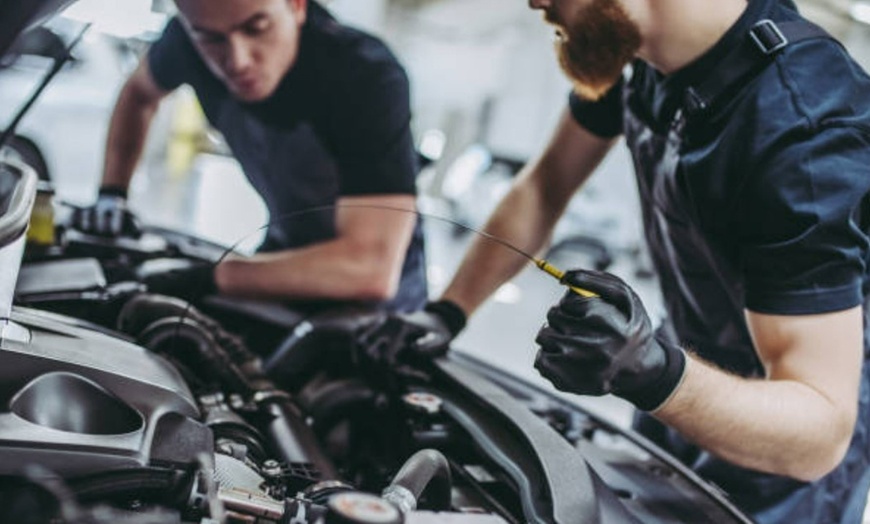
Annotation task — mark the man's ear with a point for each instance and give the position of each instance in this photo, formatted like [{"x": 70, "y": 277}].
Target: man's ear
[{"x": 300, "y": 10}]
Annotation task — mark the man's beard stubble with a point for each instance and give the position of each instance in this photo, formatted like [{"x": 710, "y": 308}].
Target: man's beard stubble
[{"x": 594, "y": 48}]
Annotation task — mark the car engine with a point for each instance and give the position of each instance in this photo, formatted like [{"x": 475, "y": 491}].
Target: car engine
[{"x": 120, "y": 405}]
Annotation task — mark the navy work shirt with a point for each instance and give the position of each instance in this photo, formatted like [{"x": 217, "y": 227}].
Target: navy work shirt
[
  {"x": 760, "y": 204},
  {"x": 337, "y": 125}
]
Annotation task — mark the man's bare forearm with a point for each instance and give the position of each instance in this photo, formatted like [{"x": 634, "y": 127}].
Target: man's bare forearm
[
  {"x": 488, "y": 264},
  {"x": 364, "y": 262},
  {"x": 329, "y": 270},
  {"x": 128, "y": 131},
  {"x": 778, "y": 426},
  {"x": 527, "y": 215}
]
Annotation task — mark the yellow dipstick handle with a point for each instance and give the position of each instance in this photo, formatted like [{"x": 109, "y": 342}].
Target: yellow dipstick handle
[{"x": 557, "y": 273}]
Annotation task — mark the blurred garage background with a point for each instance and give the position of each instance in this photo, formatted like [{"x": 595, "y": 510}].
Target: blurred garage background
[{"x": 486, "y": 92}]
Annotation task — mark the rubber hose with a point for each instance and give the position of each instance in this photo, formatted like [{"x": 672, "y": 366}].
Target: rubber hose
[
  {"x": 336, "y": 401},
  {"x": 146, "y": 308},
  {"x": 167, "y": 334},
  {"x": 427, "y": 471},
  {"x": 165, "y": 483},
  {"x": 295, "y": 441},
  {"x": 143, "y": 310}
]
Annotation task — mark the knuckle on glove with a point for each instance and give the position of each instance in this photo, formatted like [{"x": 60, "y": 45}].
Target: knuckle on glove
[
  {"x": 564, "y": 317},
  {"x": 579, "y": 346},
  {"x": 604, "y": 284}
]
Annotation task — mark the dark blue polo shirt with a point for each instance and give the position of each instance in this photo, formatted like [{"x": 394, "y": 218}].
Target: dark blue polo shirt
[
  {"x": 759, "y": 204},
  {"x": 337, "y": 125}
]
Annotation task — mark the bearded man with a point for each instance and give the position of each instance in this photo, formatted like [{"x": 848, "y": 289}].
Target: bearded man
[
  {"x": 318, "y": 115},
  {"x": 749, "y": 129}
]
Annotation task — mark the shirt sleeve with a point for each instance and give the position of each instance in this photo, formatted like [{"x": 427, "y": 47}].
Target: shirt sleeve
[
  {"x": 803, "y": 222},
  {"x": 170, "y": 58},
  {"x": 603, "y": 117}
]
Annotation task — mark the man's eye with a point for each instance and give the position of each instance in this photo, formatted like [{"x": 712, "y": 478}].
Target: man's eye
[
  {"x": 258, "y": 27},
  {"x": 209, "y": 39}
]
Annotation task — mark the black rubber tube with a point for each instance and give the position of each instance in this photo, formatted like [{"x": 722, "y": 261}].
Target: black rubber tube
[
  {"x": 295, "y": 440},
  {"x": 427, "y": 471},
  {"x": 309, "y": 348},
  {"x": 141, "y": 312},
  {"x": 144, "y": 309},
  {"x": 168, "y": 335},
  {"x": 335, "y": 401},
  {"x": 317, "y": 343},
  {"x": 155, "y": 484},
  {"x": 292, "y": 438}
]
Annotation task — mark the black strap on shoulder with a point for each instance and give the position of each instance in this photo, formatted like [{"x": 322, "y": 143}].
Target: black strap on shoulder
[{"x": 763, "y": 42}]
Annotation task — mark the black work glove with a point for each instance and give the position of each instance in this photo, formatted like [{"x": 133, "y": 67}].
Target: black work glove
[
  {"x": 426, "y": 333},
  {"x": 187, "y": 279},
  {"x": 109, "y": 216},
  {"x": 605, "y": 344}
]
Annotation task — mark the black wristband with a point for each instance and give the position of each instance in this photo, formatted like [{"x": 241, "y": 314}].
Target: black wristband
[
  {"x": 116, "y": 191},
  {"x": 655, "y": 394},
  {"x": 202, "y": 279},
  {"x": 452, "y": 315}
]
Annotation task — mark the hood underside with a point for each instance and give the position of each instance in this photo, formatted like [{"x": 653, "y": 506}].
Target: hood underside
[{"x": 16, "y": 16}]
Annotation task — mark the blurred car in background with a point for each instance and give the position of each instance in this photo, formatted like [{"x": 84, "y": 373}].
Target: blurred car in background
[{"x": 63, "y": 136}]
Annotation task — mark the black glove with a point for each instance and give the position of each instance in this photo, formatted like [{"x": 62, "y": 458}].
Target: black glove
[
  {"x": 187, "y": 279},
  {"x": 109, "y": 216},
  {"x": 595, "y": 346},
  {"x": 426, "y": 333}
]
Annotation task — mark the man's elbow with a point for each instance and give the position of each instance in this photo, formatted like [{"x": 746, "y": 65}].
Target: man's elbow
[
  {"x": 824, "y": 457},
  {"x": 375, "y": 270},
  {"x": 378, "y": 278},
  {"x": 380, "y": 285},
  {"x": 823, "y": 463}
]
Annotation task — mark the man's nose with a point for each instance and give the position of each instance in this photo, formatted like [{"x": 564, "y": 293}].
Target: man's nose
[
  {"x": 238, "y": 57},
  {"x": 540, "y": 4}
]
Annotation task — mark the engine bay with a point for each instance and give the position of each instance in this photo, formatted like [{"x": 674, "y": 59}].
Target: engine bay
[{"x": 121, "y": 405}]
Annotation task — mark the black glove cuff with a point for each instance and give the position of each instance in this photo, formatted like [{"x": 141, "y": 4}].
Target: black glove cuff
[
  {"x": 654, "y": 395},
  {"x": 116, "y": 191},
  {"x": 452, "y": 315},
  {"x": 203, "y": 280}
]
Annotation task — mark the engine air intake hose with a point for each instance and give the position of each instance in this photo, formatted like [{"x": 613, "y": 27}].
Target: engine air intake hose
[
  {"x": 145, "y": 309},
  {"x": 167, "y": 325},
  {"x": 295, "y": 440}
]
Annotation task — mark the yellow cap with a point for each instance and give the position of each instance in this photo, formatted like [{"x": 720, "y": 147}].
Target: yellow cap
[{"x": 557, "y": 273}]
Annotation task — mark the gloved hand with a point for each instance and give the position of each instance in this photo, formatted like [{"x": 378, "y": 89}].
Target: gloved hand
[
  {"x": 109, "y": 216},
  {"x": 426, "y": 333},
  {"x": 605, "y": 344},
  {"x": 187, "y": 279}
]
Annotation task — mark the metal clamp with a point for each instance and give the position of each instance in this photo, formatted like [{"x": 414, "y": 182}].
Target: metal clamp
[
  {"x": 768, "y": 37},
  {"x": 401, "y": 497}
]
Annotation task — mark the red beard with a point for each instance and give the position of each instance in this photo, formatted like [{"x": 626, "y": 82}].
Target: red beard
[{"x": 594, "y": 48}]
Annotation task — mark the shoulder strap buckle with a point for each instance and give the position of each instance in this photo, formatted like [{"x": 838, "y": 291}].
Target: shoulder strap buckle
[
  {"x": 694, "y": 102},
  {"x": 768, "y": 37},
  {"x": 765, "y": 36}
]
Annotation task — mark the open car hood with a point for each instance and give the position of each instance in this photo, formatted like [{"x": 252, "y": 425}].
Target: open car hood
[{"x": 16, "y": 16}]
